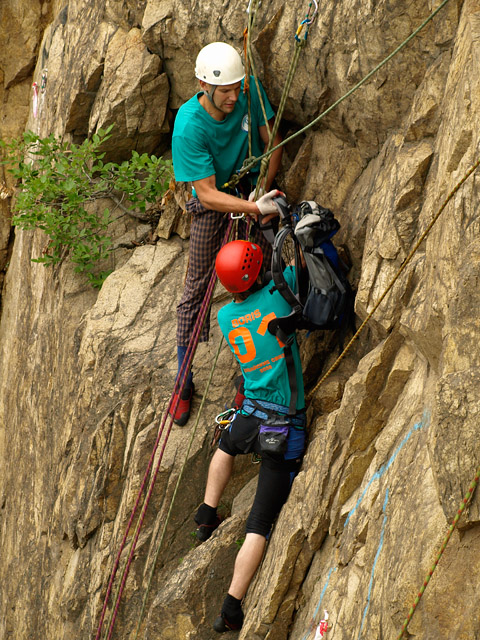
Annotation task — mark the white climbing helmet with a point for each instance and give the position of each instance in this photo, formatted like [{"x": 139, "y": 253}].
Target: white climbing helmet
[{"x": 218, "y": 64}]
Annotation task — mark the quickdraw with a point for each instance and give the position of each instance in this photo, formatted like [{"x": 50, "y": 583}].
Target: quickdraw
[
  {"x": 43, "y": 82},
  {"x": 225, "y": 418},
  {"x": 307, "y": 21}
]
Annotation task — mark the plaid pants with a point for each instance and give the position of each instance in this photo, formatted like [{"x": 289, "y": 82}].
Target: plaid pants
[{"x": 207, "y": 232}]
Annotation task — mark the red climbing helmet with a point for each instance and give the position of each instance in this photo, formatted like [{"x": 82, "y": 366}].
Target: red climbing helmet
[{"x": 238, "y": 264}]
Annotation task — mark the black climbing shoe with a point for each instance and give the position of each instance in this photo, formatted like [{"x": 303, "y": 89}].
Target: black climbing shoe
[
  {"x": 204, "y": 531},
  {"x": 222, "y": 624}
]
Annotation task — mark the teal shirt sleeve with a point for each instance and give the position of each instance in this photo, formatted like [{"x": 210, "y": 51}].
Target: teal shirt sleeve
[{"x": 197, "y": 162}]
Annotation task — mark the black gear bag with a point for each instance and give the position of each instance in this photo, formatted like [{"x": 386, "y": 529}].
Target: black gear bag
[{"x": 325, "y": 297}]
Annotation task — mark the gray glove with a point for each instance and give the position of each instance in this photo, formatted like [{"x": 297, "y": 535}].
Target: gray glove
[{"x": 266, "y": 205}]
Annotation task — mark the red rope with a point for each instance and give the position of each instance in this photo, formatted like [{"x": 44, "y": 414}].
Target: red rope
[{"x": 178, "y": 388}]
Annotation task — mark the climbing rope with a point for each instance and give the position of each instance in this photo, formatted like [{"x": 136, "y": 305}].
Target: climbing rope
[
  {"x": 299, "y": 44},
  {"x": 463, "y": 504},
  {"x": 394, "y": 279},
  {"x": 172, "y": 405},
  {"x": 251, "y": 162}
]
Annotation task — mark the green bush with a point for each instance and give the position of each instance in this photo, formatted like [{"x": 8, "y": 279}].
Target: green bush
[{"x": 57, "y": 180}]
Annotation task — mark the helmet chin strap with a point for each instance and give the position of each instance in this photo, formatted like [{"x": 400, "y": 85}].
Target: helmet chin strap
[{"x": 210, "y": 93}]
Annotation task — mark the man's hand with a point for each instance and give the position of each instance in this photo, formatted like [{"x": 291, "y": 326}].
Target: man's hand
[
  {"x": 268, "y": 209},
  {"x": 261, "y": 192}
]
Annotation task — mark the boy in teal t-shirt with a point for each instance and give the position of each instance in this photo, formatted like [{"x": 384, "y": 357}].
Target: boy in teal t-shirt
[
  {"x": 261, "y": 357},
  {"x": 244, "y": 323}
]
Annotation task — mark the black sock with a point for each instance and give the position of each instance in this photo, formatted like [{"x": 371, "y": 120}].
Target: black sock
[
  {"x": 206, "y": 514},
  {"x": 232, "y": 609}
]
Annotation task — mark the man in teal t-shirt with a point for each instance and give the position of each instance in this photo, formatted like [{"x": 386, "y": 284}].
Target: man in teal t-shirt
[
  {"x": 203, "y": 146},
  {"x": 244, "y": 324},
  {"x": 210, "y": 143}
]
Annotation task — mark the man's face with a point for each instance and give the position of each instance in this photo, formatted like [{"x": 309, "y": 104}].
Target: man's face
[{"x": 226, "y": 96}]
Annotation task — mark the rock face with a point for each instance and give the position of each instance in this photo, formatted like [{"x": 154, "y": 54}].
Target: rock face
[{"x": 85, "y": 377}]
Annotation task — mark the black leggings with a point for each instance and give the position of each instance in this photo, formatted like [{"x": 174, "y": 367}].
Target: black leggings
[
  {"x": 274, "y": 480},
  {"x": 272, "y": 492}
]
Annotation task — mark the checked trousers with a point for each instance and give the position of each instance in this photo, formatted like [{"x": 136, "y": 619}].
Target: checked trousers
[{"x": 207, "y": 232}]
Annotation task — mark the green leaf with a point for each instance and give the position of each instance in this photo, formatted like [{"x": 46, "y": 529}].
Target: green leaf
[{"x": 56, "y": 181}]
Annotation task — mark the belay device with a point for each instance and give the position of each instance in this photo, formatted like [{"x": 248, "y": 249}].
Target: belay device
[{"x": 324, "y": 299}]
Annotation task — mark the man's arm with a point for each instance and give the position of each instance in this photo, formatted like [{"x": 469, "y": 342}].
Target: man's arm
[
  {"x": 216, "y": 200},
  {"x": 212, "y": 198}
]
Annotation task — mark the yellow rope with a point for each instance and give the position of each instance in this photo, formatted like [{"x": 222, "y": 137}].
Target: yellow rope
[{"x": 395, "y": 278}]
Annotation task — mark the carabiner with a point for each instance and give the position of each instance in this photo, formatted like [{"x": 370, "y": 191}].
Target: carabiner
[
  {"x": 224, "y": 419},
  {"x": 237, "y": 217}
]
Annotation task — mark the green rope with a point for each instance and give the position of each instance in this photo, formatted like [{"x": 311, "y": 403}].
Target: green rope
[
  {"x": 283, "y": 100},
  {"x": 299, "y": 44},
  {"x": 179, "y": 479},
  {"x": 252, "y": 161},
  {"x": 249, "y": 164},
  {"x": 249, "y": 63},
  {"x": 451, "y": 529}
]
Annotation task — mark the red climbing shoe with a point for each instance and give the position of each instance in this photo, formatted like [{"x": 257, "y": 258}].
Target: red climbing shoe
[{"x": 182, "y": 413}]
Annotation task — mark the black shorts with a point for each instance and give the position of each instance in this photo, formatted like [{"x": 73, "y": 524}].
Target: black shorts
[{"x": 276, "y": 472}]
